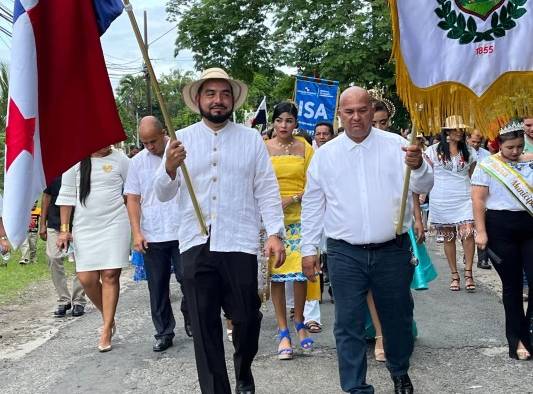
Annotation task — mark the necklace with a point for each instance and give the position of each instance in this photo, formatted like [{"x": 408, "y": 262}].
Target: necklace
[{"x": 286, "y": 147}]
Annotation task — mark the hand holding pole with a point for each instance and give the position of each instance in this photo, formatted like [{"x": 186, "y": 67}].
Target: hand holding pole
[{"x": 168, "y": 124}]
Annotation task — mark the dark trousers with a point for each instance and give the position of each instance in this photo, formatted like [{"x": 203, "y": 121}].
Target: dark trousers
[
  {"x": 158, "y": 260},
  {"x": 388, "y": 272},
  {"x": 214, "y": 280},
  {"x": 511, "y": 239}
]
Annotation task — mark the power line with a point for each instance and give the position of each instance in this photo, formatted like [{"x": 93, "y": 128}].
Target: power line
[
  {"x": 5, "y": 31},
  {"x": 162, "y": 35}
]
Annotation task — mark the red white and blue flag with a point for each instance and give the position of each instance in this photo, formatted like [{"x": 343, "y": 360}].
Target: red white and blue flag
[{"x": 61, "y": 105}]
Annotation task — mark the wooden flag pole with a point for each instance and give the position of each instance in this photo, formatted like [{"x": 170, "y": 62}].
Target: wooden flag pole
[
  {"x": 405, "y": 192},
  {"x": 155, "y": 84}
]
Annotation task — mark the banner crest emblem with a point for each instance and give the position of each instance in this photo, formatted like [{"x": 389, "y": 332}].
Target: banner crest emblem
[{"x": 502, "y": 18}]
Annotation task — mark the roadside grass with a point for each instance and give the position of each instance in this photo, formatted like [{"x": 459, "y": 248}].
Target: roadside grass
[{"x": 16, "y": 278}]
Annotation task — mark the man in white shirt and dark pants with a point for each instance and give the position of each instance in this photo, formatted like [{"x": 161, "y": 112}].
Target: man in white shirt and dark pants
[
  {"x": 236, "y": 187},
  {"x": 155, "y": 227},
  {"x": 353, "y": 192}
]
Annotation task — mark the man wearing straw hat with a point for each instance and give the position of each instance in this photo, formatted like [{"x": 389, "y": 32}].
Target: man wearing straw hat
[
  {"x": 353, "y": 193},
  {"x": 236, "y": 187}
]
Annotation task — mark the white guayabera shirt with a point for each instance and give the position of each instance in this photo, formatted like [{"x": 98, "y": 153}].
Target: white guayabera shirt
[{"x": 235, "y": 185}]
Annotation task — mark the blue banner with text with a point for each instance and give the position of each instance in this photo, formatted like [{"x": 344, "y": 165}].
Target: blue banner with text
[{"x": 316, "y": 100}]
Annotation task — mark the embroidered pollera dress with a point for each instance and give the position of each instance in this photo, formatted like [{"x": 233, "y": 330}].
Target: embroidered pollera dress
[
  {"x": 450, "y": 203},
  {"x": 291, "y": 174}
]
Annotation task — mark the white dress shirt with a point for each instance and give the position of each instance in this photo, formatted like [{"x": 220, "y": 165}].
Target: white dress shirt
[
  {"x": 235, "y": 185},
  {"x": 354, "y": 190},
  {"x": 481, "y": 154},
  {"x": 159, "y": 220}
]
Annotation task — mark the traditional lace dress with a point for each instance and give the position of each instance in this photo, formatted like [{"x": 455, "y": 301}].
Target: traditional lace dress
[{"x": 450, "y": 203}]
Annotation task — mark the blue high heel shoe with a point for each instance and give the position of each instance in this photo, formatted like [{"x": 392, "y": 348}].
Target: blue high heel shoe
[
  {"x": 285, "y": 353},
  {"x": 307, "y": 343}
]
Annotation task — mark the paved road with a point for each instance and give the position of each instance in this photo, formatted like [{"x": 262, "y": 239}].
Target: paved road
[{"x": 461, "y": 349}]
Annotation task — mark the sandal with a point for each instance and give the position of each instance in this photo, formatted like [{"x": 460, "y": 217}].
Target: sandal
[
  {"x": 455, "y": 283},
  {"x": 379, "y": 353},
  {"x": 285, "y": 353},
  {"x": 306, "y": 343},
  {"x": 313, "y": 327},
  {"x": 523, "y": 354},
  {"x": 471, "y": 288}
]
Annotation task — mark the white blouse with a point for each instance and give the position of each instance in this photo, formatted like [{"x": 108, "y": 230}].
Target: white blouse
[{"x": 499, "y": 198}]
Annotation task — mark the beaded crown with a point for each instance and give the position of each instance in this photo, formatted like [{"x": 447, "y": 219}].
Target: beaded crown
[
  {"x": 511, "y": 126},
  {"x": 377, "y": 94}
]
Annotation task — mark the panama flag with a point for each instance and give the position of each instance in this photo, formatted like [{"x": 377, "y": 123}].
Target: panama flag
[
  {"x": 260, "y": 117},
  {"x": 61, "y": 106}
]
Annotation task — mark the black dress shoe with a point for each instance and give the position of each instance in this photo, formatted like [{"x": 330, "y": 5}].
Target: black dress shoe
[
  {"x": 162, "y": 344},
  {"x": 402, "y": 384},
  {"x": 78, "y": 310},
  {"x": 188, "y": 329},
  {"x": 483, "y": 264},
  {"x": 245, "y": 388},
  {"x": 61, "y": 310}
]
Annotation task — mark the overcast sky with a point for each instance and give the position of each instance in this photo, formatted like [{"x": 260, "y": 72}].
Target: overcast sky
[{"x": 120, "y": 47}]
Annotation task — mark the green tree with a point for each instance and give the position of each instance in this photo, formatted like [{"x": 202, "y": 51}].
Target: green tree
[
  {"x": 233, "y": 34},
  {"x": 132, "y": 103},
  {"x": 346, "y": 40}
]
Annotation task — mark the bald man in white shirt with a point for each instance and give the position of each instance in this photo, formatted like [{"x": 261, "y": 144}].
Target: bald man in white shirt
[
  {"x": 353, "y": 192},
  {"x": 236, "y": 187},
  {"x": 154, "y": 226}
]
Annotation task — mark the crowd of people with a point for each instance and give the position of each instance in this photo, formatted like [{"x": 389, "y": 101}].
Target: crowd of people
[{"x": 321, "y": 210}]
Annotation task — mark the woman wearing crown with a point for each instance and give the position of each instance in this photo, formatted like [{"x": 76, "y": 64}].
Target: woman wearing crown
[{"x": 502, "y": 198}]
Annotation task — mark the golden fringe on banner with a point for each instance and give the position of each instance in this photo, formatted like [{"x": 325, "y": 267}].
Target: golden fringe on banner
[{"x": 511, "y": 95}]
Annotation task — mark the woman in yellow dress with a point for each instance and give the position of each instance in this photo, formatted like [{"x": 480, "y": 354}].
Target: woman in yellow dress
[{"x": 290, "y": 157}]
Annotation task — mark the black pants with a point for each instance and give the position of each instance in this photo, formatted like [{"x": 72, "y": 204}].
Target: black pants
[
  {"x": 158, "y": 260},
  {"x": 213, "y": 280},
  {"x": 511, "y": 238}
]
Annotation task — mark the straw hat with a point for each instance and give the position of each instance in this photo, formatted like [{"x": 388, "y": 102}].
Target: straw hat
[
  {"x": 455, "y": 122},
  {"x": 190, "y": 91}
]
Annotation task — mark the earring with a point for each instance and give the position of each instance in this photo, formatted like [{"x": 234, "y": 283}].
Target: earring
[{"x": 448, "y": 139}]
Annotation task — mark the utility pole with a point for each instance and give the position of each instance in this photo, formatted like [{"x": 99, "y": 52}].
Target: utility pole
[{"x": 146, "y": 74}]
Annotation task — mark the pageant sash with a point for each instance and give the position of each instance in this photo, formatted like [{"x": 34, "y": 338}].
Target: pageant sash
[{"x": 513, "y": 181}]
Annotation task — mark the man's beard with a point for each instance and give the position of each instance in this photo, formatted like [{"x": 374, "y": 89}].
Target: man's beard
[{"x": 217, "y": 119}]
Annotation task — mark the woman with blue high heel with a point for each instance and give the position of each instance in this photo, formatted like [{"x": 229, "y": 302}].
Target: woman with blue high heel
[{"x": 290, "y": 156}]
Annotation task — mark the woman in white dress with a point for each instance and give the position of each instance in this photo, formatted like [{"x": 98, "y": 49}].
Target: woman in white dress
[
  {"x": 100, "y": 229},
  {"x": 450, "y": 205}
]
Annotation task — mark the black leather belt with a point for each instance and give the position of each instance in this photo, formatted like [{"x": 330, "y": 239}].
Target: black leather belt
[{"x": 398, "y": 241}]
